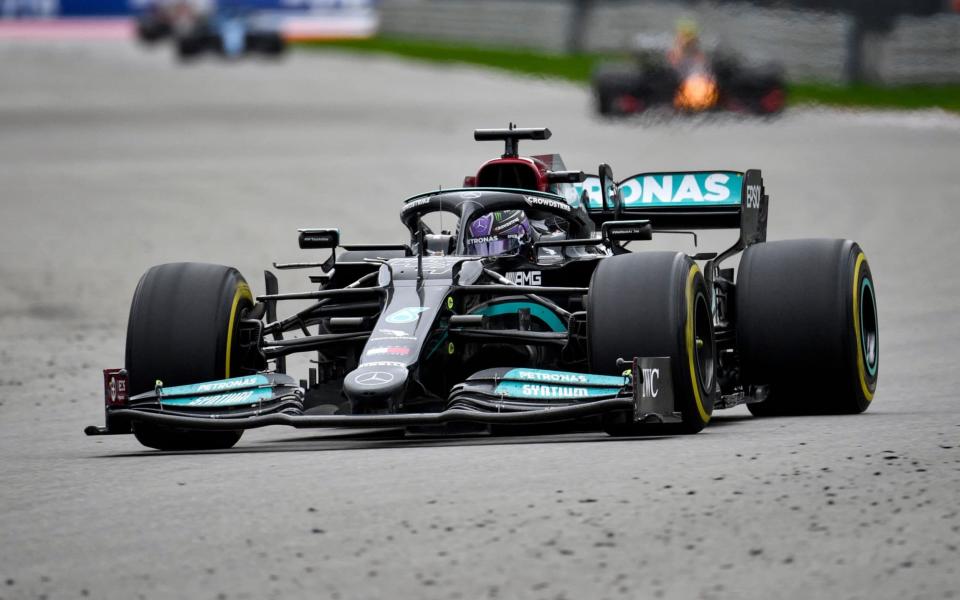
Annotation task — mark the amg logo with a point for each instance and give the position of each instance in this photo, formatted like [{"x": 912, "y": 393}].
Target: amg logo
[
  {"x": 524, "y": 277},
  {"x": 651, "y": 383},
  {"x": 753, "y": 196},
  {"x": 553, "y": 391}
]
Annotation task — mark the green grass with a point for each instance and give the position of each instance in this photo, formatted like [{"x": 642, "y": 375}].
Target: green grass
[
  {"x": 577, "y": 68},
  {"x": 528, "y": 62},
  {"x": 946, "y": 96}
]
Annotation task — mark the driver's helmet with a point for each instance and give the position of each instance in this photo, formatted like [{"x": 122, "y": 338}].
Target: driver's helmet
[
  {"x": 498, "y": 233},
  {"x": 687, "y": 34}
]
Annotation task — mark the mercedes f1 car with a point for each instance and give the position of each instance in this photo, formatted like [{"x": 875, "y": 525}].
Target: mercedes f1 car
[{"x": 528, "y": 308}]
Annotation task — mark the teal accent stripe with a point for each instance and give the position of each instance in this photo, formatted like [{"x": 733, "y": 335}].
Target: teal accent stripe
[
  {"x": 217, "y": 387},
  {"x": 238, "y": 397},
  {"x": 549, "y": 318},
  {"x": 548, "y": 391},
  {"x": 565, "y": 378},
  {"x": 439, "y": 343},
  {"x": 666, "y": 190}
]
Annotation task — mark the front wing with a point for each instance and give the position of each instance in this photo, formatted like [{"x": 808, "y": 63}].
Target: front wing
[{"x": 491, "y": 397}]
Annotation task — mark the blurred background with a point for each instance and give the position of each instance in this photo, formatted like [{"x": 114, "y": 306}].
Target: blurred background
[
  {"x": 136, "y": 133},
  {"x": 882, "y": 53},
  {"x": 885, "y": 42}
]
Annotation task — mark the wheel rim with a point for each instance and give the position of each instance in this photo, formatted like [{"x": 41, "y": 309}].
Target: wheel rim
[
  {"x": 703, "y": 342},
  {"x": 869, "y": 331}
]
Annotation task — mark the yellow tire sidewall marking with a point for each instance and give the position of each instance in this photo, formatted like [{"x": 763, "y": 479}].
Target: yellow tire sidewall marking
[
  {"x": 243, "y": 291},
  {"x": 861, "y": 369},
  {"x": 691, "y": 346}
]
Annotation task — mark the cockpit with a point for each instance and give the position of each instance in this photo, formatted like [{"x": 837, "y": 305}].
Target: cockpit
[{"x": 494, "y": 223}]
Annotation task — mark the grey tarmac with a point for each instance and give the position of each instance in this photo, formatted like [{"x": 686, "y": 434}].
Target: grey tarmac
[{"x": 113, "y": 158}]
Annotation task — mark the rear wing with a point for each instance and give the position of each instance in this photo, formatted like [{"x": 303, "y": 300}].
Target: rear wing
[{"x": 684, "y": 200}]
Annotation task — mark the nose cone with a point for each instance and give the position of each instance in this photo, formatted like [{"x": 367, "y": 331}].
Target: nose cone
[{"x": 375, "y": 387}]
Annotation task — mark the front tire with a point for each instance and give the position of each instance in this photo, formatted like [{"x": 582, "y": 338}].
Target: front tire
[
  {"x": 655, "y": 304},
  {"x": 189, "y": 47},
  {"x": 271, "y": 44},
  {"x": 182, "y": 328},
  {"x": 808, "y": 326}
]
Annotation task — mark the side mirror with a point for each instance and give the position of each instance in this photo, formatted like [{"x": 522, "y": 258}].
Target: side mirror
[
  {"x": 566, "y": 176},
  {"x": 319, "y": 238},
  {"x": 608, "y": 188},
  {"x": 626, "y": 231}
]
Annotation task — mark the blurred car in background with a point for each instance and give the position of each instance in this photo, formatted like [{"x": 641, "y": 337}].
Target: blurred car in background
[
  {"x": 228, "y": 29},
  {"x": 686, "y": 78},
  {"x": 230, "y": 34}
]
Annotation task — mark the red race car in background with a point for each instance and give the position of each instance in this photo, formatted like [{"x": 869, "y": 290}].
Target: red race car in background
[{"x": 687, "y": 79}]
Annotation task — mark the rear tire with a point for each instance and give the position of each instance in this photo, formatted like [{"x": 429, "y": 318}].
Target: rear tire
[
  {"x": 655, "y": 304},
  {"x": 272, "y": 45},
  {"x": 610, "y": 84},
  {"x": 151, "y": 30},
  {"x": 808, "y": 326},
  {"x": 181, "y": 330}
]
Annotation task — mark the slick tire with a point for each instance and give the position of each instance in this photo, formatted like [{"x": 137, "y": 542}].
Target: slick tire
[
  {"x": 150, "y": 31},
  {"x": 609, "y": 84},
  {"x": 604, "y": 98},
  {"x": 189, "y": 48},
  {"x": 655, "y": 304},
  {"x": 808, "y": 326},
  {"x": 182, "y": 327},
  {"x": 273, "y": 45}
]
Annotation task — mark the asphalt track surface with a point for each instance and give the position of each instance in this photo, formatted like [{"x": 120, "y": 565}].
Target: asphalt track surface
[{"x": 113, "y": 159}]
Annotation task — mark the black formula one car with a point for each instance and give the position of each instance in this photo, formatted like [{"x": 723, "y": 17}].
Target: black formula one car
[
  {"x": 528, "y": 309},
  {"x": 718, "y": 83}
]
